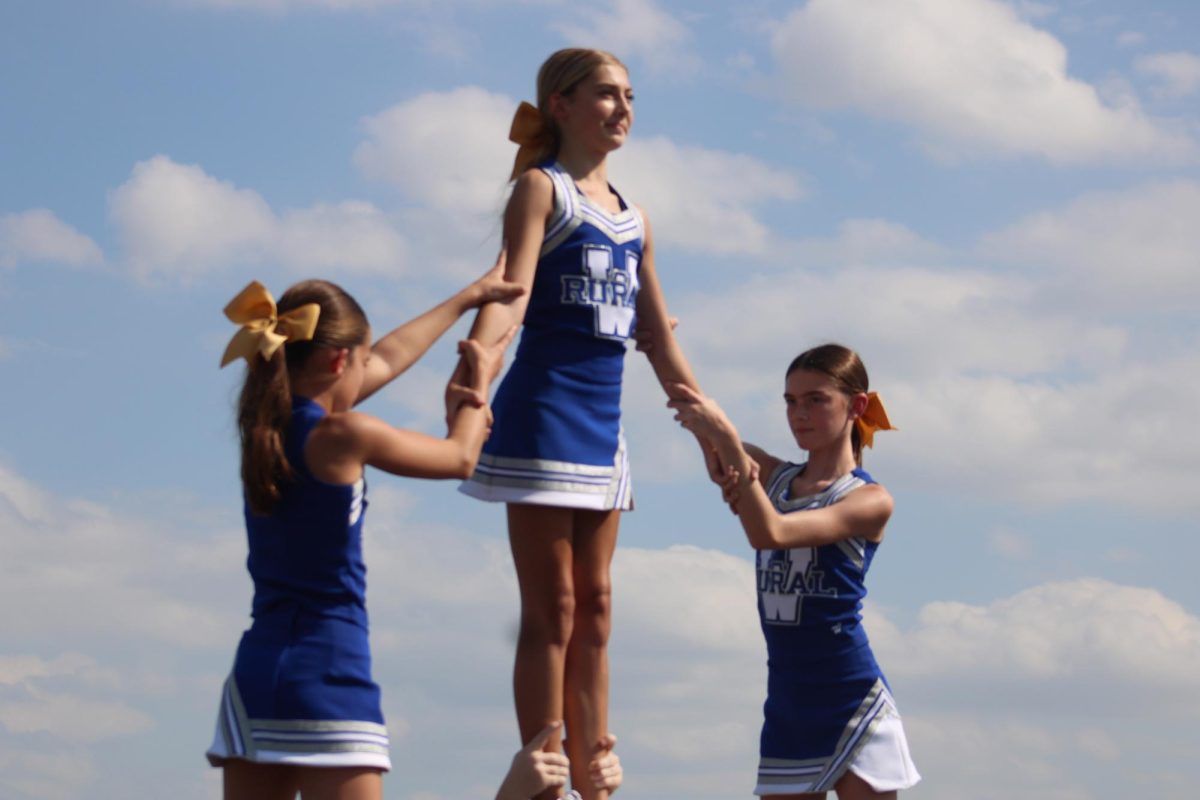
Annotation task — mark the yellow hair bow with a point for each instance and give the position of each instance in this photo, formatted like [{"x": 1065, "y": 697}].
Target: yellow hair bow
[
  {"x": 263, "y": 330},
  {"x": 529, "y": 131},
  {"x": 874, "y": 418}
]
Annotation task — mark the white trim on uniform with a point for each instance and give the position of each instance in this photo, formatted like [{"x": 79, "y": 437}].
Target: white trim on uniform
[{"x": 313, "y": 743}]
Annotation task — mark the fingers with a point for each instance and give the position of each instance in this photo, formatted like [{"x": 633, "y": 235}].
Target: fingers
[
  {"x": 541, "y": 737},
  {"x": 465, "y": 394},
  {"x": 605, "y": 770}
]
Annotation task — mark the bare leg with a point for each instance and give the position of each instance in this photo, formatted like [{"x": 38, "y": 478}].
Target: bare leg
[
  {"x": 341, "y": 783},
  {"x": 246, "y": 780},
  {"x": 586, "y": 679},
  {"x": 540, "y": 538},
  {"x": 852, "y": 787}
]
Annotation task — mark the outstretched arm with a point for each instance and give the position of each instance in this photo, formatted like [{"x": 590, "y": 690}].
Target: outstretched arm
[
  {"x": 398, "y": 350},
  {"x": 342, "y": 443},
  {"x": 863, "y": 512}
]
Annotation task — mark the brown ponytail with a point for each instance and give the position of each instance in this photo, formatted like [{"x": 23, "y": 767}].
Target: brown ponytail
[
  {"x": 846, "y": 369},
  {"x": 265, "y": 404}
]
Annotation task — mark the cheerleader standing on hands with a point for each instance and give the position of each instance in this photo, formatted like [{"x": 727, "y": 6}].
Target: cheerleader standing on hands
[
  {"x": 830, "y": 721},
  {"x": 557, "y": 454},
  {"x": 300, "y": 710}
]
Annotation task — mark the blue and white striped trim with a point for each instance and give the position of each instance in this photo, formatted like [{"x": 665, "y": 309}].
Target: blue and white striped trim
[
  {"x": 314, "y": 743},
  {"x": 792, "y": 776},
  {"x": 553, "y": 483},
  {"x": 572, "y": 208}
]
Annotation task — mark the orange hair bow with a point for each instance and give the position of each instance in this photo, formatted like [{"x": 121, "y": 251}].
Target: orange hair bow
[
  {"x": 529, "y": 131},
  {"x": 264, "y": 330},
  {"x": 874, "y": 418}
]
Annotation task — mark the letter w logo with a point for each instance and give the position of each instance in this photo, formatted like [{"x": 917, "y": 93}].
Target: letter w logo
[{"x": 612, "y": 292}]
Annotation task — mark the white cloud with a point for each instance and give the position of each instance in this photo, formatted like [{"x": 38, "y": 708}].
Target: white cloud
[
  {"x": 675, "y": 184},
  {"x": 993, "y": 389},
  {"x": 70, "y": 717},
  {"x": 969, "y": 74},
  {"x": 38, "y": 235},
  {"x": 64, "y": 774},
  {"x": 448, "y": 150},
  {"x": 451, "y": 151},
  {"x": 1134, "y": 249},
  {"x": 1178, "y": 73},
  {"x": 175, "y": 220},
  {"x": 688, "y": 660},
  {"x": 635, "y": 29},
  {"x": 140, "y": 597},
  {"x": 1053, "y": 647}
]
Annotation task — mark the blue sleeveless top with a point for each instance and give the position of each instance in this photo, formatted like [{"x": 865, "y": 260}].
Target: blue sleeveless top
[
  {"x": 810, "y": 598},
  {"x": 582, "y": 304},
  {"x": 307, "y": 553}
]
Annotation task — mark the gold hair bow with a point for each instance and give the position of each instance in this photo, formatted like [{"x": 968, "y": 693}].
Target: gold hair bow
[
  {"x": 529, "y": 131},
  {"x": 263, "y": 330},
  {"x": 874, "y": 418}
]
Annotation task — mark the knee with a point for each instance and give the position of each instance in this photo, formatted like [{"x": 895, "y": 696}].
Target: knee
[
  {"x": 593, "y": 612},
  {"x": 550, "y": 620}
]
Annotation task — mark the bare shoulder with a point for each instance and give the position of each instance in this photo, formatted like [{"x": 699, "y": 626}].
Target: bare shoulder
[
  {"x": 872, "y": 507},
  {"x": 532, "y": 186},
  {"x": 335, "y": 448},
  {"x": 641, "y": 210}
]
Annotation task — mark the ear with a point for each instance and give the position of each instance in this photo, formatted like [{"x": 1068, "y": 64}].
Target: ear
[
  {"x": 558, "y": 104},
  {"x": 858, "y": 405},
  {"x": 341, "y": 356}
]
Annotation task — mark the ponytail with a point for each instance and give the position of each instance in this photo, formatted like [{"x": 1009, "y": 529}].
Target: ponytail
[
  {"x": 264, "y": 410},
  {"x": 265, "y": 404}
]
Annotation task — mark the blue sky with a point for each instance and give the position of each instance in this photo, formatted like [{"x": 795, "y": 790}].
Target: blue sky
[{"x": 995, "y": 202}]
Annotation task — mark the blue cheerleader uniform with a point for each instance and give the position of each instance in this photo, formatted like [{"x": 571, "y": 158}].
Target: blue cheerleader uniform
[
  {"x": 301, "y": 690},
  {"x": 557, "y": 437},
  {"x": 829, "y": 707}
]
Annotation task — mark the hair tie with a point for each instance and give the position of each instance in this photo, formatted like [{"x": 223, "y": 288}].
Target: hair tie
[
  {"x": 874, "y": 418},
  {"x": 263, "y": 330},
  {"x": 530, "y": 132}
]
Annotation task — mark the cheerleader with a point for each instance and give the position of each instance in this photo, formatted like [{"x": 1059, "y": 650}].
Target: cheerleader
[
  {"x": 557, "y": 454},
  {"x": 830, "y": 720},
  {"x": 300, "y": 711}
]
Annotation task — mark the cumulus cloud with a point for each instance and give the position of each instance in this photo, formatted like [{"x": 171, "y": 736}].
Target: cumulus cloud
[
  {"x": 984, "y": 378},
  {"x": 1177, "y": 73},
  {"x": 139, "y": 597},
  {"x": 450, "y": 150},
  {"x": 635, "y": 30},
  {"x": 700, "y": 199},
  {"x": 1129, "y": 250},
  {"x": 38, "y": 235},
  {"x": 176, "y": 221},
  {"x": 1057, "y": 645},
  {"x": 970, "y": 75},
  {"x": 688, "y": 660}
]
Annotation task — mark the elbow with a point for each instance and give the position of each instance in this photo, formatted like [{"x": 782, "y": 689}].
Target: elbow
[
  {"x": 762, "y": 537},
  {"x": 466, "y": 465}
]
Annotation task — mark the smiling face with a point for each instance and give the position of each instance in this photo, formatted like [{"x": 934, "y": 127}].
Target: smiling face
[
  {"x": 598, "y": 112},
  {"x": 820, "y": 415}
]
